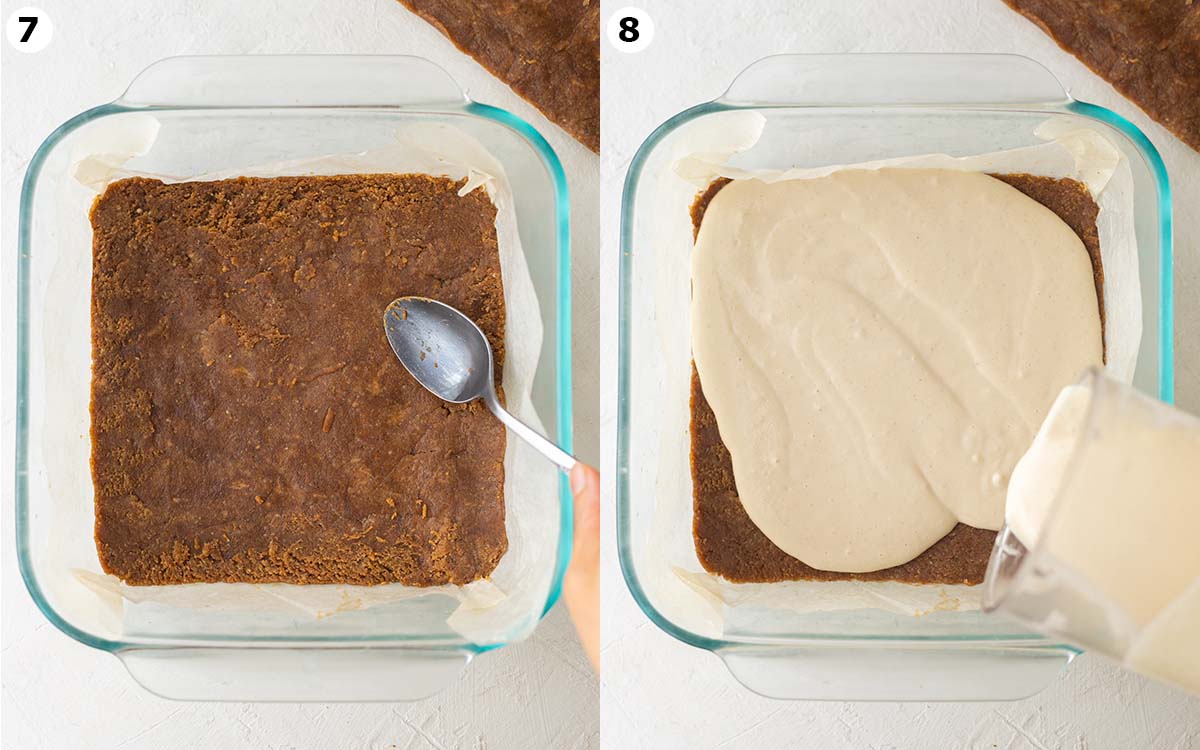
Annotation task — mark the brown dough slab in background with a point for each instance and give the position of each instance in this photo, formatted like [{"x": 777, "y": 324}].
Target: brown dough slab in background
[
  {"x": 730, "y": 545},
  {"x": 249, "y": 420},
  {"x": 548, "y": 51},
  {"x": 1149, "y": 50}
]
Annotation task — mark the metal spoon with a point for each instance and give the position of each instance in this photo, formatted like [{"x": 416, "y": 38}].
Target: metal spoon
[{"x": 448, "y": 354}]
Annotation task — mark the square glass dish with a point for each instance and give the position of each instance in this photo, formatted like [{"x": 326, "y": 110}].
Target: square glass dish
[
  {"x": 816, "y": 111},
  {"x": 208, "y": 115}
]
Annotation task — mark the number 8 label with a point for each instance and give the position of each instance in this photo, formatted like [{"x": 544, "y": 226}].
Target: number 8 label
[{"x": 630, "y": 30}]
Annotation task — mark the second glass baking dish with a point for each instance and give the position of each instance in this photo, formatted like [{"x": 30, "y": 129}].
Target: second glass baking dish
[
  {"x": 819, "y": 110},
  {"x": 213, "y": 114}
]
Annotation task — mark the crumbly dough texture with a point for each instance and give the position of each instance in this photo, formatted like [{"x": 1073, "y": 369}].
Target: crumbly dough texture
[
  {"x": 1149, "y": 50},
  {"x": 730, "y": 545},
  {"x": 548, "y": 51},
  {"x": 249, "y": 420}
]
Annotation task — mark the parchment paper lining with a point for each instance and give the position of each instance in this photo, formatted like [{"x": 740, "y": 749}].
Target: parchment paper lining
[
  {"x": 710, "y": 151},
  {"x": 487, "y": 611}
]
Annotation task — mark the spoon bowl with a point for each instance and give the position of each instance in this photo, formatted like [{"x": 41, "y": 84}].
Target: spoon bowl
[{"x": 440, "y": 347}]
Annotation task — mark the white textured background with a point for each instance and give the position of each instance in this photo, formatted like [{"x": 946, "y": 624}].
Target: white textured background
[
  {"x": 659, "y": 693},
  {"x": 59, "y": 694}
]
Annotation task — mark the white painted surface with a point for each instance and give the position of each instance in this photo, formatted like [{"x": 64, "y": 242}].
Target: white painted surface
[
  {"x": 659, "y": 693},
  {"x": 60, "y": 694}
]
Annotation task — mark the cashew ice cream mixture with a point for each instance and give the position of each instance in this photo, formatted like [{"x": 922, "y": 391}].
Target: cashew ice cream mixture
[{"x": 879, "y": 348}]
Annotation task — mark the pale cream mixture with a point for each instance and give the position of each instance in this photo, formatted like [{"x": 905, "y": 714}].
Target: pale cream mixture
[{"x": 879, "y": 348}]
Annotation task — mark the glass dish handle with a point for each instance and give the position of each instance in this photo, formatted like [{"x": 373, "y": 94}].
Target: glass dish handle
[
  {"x": 894, "y": 79},
  {"x": 887, "y": 673},
  {"x": 323, "y": 674},
  {"x": 268, "y": 81}
]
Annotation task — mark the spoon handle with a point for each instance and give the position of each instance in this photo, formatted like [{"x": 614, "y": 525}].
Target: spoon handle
[{"x": 548, "y": 449}]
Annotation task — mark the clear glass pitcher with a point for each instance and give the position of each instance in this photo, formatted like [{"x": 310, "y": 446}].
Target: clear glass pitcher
[{"x": 1100, "y": 546}]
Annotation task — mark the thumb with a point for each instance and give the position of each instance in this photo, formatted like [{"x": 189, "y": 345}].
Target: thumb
[{"x": 585, "y": 489}]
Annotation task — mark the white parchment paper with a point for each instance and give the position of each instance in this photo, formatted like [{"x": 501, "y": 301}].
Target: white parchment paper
[
  {"x": 487, "y": 611},
  {"x": 710, "y": 151}
]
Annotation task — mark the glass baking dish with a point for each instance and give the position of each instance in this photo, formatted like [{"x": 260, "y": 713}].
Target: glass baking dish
[
  {"x": 821, "y": 110},
  {"x": 213, "y": 114}
]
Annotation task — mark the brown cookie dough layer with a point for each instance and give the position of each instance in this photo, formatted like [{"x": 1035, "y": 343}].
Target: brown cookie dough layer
[
  {"x": 1149, "y": 50},
  {"x": 548, "y": 51},
  {"x": 728, "y": 543},
  {"x": 249, "y": 420}
]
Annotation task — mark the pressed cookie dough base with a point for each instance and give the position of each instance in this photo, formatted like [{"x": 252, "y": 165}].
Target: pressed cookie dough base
[{"x": 249, "y": 421}]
